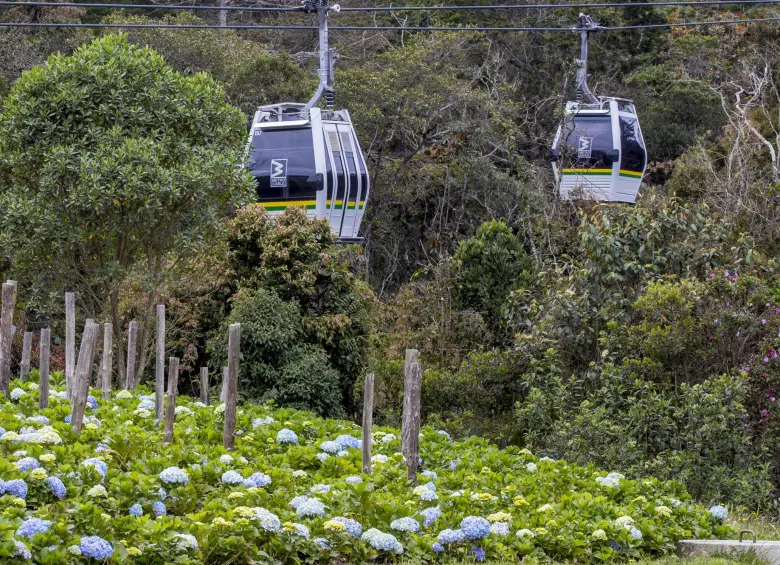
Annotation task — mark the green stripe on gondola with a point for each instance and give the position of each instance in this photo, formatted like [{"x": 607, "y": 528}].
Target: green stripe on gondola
[
  {"x": 630, "y": 174},
  {"x": 588, "y": 172}
]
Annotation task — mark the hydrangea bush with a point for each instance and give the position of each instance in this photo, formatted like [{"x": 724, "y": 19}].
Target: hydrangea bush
[{"x": 293, "y": 489}]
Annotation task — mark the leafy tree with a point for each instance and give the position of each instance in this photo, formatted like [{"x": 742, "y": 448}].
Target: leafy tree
[
  {"x": 274, "y": 362},
  {"x": 296, "y": 259},
  {"x": 109, "y": 161},
  {"x": 487, "y": 267}
]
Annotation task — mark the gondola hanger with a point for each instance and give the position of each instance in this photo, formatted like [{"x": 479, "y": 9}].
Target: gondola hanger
[
  {"x": 598, "y": 152},
  {"x": 301, "y": 156}
]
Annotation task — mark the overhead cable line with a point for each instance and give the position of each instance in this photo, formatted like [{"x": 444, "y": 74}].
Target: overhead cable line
[
  {"x": 553, "y": 6},
  {"x": 272, "y": 9},
  {"x": 380, "y": 28}
]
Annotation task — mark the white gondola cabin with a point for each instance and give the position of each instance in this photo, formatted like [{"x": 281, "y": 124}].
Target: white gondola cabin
[
  {"x": 598, "y": 152},
  {"x": 310, "y": 158},
  {"x": 303, "y": 156}
]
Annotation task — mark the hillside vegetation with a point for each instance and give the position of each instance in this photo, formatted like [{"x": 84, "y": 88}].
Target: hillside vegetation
[{"x": 638, "y": 338}]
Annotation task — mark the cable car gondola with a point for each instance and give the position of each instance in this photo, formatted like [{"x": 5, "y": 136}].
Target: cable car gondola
[
  {"x": 303, "y": 156},
  {"x": 598, "y": 152}
]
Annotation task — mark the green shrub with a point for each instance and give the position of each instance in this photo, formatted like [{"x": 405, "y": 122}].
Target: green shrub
[{"x": 307, "y": 381}]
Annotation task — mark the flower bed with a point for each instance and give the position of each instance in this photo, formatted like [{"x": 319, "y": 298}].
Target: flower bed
[{"x": 293, "y": 490}]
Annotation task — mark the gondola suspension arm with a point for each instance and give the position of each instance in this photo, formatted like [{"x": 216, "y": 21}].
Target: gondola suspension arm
[
  {"x": 585, "y": 26},
  {"x": 327, "y": 56}
]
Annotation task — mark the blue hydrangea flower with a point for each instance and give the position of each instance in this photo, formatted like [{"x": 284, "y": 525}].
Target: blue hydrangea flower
[
  {"x": 322, "y": 542},
  {"x": 298, "y": 500},
  {"x": 310, "y": 507},
  {"x": 226, "y": 459},
  {"x": 38, "y": 420},
  {"x": 27, "y": 464},
  {"x": 232, "y": 478},
  {"x": 301, "y": 530},
  {"x": 92, "y": 404},
  {"x": 258, "y": 480},
  {"x": 352, "y": 527},
  {"x": 101, "y": 448},
  {"x": 437, "y": 547},
  {"x": 430, "y": 475},
  {"x": 136, "y": 510},
  {"x": 96, "y": 547},
  {"x": 478, "y": 553},
  {"x": 453, "y": 465},
  {"x": 330, "y": 447},
  {"x": 381, "y": 541},
  {"x": 174, "y": 476},
  {"x": 268, "y": 520},
  {"x": 405, "y": 525},
  {"x": 320, "y": 489},
  {"x": 635, "y": 533},
  {"x": 719, "y": 512},
  {"x": 348, "y": 442},
  {"x": 257, "y": 422},
  {"x": 22, "y": 551},
  {"x": 162, "y": 493},
  {"x": 428, "y": 495},
  {"x": 33, "y": 526},
  {"x": 354, "y": 480},
  {"x": 475, "y": 527},
  {"x": 159, "y": 509},
  {"x": 500, "y": 528},
  {"x": 444, "y": 433},
  {"x": 450, "y": 536},
  {"x": 56, "y": 486},
  {"x": 430, "y": 515},
  {"x": 15, "y": 487},
  {"x": 97, "y": 464},
  {"x": 67, "y": 419},
  {"x": 286, "y": 436}
]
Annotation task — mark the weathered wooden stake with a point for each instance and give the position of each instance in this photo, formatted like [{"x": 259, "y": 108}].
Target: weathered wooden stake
[
  {"x": 95, "y": 341},
  {"x": 24, "y": 365},
  {"x": 132, "y": 335},
  {"x": 44, "y": 349},
  {"x": 368, "y": 420},
  {"x": 204, "y": 385},
  {"x": 70, "y": 341},
  {"x": 82, "y": 375},
  {"x": 159, "y": 375},
  {"x": 106, "y": 365},
  {"x": 170, "y": 406},
  {"x": 410, "y": 424},
  {"x": 231, "y": 396},
  {"x": 6, "y": 334},
  {"x": 223, "y": 391}
]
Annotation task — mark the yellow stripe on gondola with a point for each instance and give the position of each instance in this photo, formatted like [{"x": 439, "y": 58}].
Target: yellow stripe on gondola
[
  {"x": 632, "y": 174},
  {"x": 587, "y": 171}
]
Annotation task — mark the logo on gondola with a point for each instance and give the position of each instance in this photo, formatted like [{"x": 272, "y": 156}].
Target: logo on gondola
[
  {"x": 584, "y": 149},
  {"x": 279, "y": 173}
]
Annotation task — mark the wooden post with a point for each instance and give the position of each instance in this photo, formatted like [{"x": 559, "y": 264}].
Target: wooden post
[
  {"x": 231, "y": 396},
  {"x": 44, "y": 349},
  {"x": 6, "y": 334},
  {"x": 159, "y": 374},
  {"x": 204, "y": 385},
  {"x": 82, "y": 375},
  {"x": 170, "y": 406},
  {"x": 132, "y": 334},
  {"x": 95, "y": 340},
  {"x": 24, "y": 366},
  {"x": 70, "y": 340},
  {"x": 368, "y": 419},
  {"x": 223, "y": 391},
  {"x": 410, "y": 423},
  {"x": 106, "y": 365}
]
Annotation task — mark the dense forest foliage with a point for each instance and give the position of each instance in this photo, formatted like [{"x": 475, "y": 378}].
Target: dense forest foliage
[{"x": 638, "y": 337}]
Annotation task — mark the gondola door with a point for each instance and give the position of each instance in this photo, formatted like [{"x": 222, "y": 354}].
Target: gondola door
[
  {"x": 335, "y": 205},
  {"x": 350, "y": 224}
]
